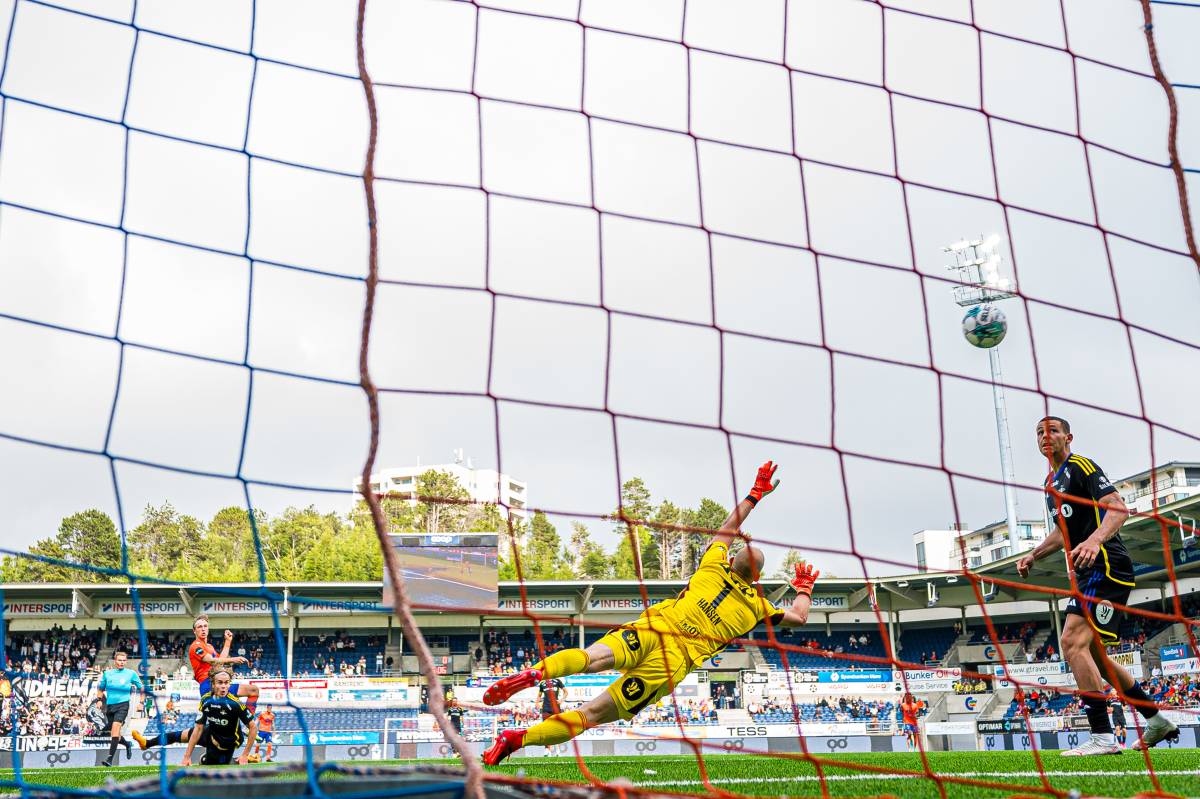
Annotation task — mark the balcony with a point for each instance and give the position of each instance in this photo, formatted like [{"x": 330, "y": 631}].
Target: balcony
[{"x": 1162, "y": 485}]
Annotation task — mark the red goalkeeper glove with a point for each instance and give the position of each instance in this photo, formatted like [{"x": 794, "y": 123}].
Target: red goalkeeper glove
[
  {"x": 806, "y": 577},
  {"x": 762, "y": 483}
]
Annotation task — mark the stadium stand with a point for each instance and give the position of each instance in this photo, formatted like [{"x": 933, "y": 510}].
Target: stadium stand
[
  {"x": 926, "y": 644},
  {"x": 510, "y": 651},
  {"x": 337, "y": 653},
  {"x": 866, "y": 644},
  {"x": 829, "y": 711},
  {"x": 1046, "y": 703},
  {"x": 54, "y": 653},
  {"x": 1013, "y": 632}
]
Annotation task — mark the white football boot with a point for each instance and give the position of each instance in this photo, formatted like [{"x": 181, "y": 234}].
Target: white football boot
[
  {"x": 1096, "y": 745},
  {"x": 1157, "y": 729}
]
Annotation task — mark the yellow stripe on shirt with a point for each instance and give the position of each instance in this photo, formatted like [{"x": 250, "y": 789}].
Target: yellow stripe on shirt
[{"x": 1088, "y": 467}]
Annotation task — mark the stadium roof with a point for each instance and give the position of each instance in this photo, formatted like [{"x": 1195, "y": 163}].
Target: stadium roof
[{"x": 1143, "y": 536}]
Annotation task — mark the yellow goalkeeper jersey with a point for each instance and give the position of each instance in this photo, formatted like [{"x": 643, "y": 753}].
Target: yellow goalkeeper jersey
[{"x": 716, "y": 606}]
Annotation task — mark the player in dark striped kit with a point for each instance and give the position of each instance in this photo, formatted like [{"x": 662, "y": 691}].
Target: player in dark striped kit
[{"x": 1086, "y": 514}]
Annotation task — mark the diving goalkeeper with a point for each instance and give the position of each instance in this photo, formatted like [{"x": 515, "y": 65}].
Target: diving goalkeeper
[{"x": 655, "y": 652}]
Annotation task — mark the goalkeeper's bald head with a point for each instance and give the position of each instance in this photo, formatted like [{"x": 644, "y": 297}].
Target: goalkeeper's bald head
[{"x": 748, "y": 563}]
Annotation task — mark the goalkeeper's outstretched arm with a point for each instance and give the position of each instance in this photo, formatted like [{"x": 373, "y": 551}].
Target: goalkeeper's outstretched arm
[
  {"x": 803, "y": 582},
  {"x": 763, "y": 485}
]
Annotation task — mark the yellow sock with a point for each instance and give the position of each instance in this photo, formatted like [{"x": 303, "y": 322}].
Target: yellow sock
[
  {"x": 564, "y": 663},
  {"x": 556, "y": 729}
]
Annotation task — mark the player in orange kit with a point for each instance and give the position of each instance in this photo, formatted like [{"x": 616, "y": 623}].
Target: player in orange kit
[
  {"x": 266, "y": 726},
  {"x": 203, "y": 657},
  {"x": 909, "y": 708}
]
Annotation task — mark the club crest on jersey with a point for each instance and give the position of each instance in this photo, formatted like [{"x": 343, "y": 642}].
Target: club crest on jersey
[
  {"x": 1104, "y": 612},
  {"x": 633, "y": 688},
  {"x": 630, "y": 637}
]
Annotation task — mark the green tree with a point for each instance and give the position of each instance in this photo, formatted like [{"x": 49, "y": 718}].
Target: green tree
[
  {"x": 89, "y": 538},
  {"x": 586, "y": 558},
  {"x": 596, "y": 565},
  {"x": 787, "y": 570},
  {"x": 509, "y": 547},
  {"x": 635, "y": 507},
  {"x": 442, "y": 517},
  {"x": 669, "y": 540},
  {"x": 635, "y": 504},
  {"x": 625, "y": 564},
  {"x": 28, "y": 570},
  {"x": 542, "y": 550},
  {"x": 166, "y": 544},
  {"x": 230, "y": 554},
  {"x": 485, "y": 518},
  {"x": 709, "y": 515},
  {"x": 291, "y": 536},
  {"x": 349, "y": 555}
]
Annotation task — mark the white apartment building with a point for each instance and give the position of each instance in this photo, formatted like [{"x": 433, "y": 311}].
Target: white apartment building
[
  {"x": 1173, "y": 481},
  {"x": 941, "y": 550},
  {"x": 481, "y": 484},
  {"x": 938, "y": 550},
  {"x": 989, "y": 544}
]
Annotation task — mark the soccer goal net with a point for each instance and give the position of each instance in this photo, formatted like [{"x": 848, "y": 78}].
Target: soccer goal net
[{"x": 374, "y": 352}]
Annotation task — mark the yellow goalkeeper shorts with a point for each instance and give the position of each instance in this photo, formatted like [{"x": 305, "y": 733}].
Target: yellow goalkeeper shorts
[{"x": 652, "y": 661}]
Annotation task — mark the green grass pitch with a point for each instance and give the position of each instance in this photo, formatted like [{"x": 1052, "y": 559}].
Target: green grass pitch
[{"x": 1115, "y": 776}]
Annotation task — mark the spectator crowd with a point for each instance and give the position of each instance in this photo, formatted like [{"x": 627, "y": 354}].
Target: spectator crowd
[
  {"x": 55, "y": 653},
  {"x": 508, "y": 654},
  {"x": 54, "y": 716}
]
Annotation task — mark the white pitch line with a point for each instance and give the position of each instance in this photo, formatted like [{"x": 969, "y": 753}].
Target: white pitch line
[
  {"x": 418, "y": 575},
  {"x": 886, "y": 776}
]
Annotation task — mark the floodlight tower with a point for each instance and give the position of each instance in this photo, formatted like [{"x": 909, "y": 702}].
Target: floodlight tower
[{"x": 977, "y": 264}]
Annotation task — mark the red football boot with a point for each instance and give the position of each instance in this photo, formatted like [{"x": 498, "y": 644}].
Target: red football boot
[
  {"x": 501, "y": 690},
  {"x": 506, "y": 743}
]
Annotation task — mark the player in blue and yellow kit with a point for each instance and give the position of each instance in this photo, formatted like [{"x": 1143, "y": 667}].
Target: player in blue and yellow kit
[
  {"x": 655, "y": 652},
  {"x": 116, "y": 685},
  {"x": 219, "y": 726},
  {"x": 1087, "y": 512},
  {"x": 203, "y": 658}
]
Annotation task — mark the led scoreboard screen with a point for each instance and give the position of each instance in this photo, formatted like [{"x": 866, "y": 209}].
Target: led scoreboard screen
[{"x": 446, "y": 571}]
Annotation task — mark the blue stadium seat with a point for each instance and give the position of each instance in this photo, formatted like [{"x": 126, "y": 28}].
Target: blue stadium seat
[{"x": 803, "y": 660}]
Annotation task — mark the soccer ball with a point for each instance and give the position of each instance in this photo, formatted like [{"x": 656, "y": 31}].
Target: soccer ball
[
  {"x": 985, "y": 326},
  {"x": 254, "y": 758}
]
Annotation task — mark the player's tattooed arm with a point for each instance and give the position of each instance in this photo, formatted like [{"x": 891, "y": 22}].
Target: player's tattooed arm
[
  {"x": 763, "y": 485},
  {"x": 1115, "y": 514},
  {"x": 1049, "y": 545}
]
